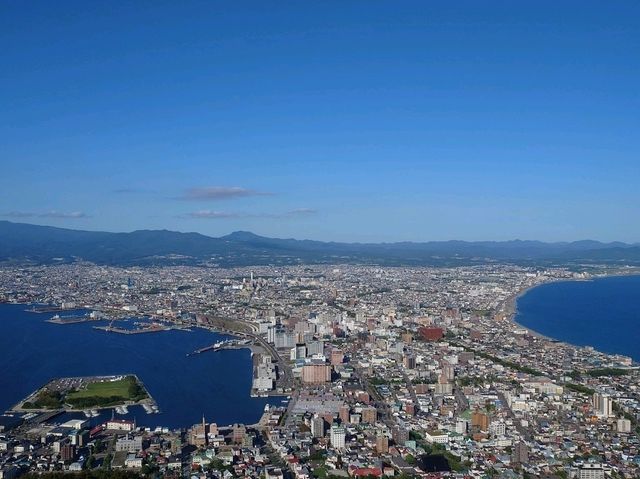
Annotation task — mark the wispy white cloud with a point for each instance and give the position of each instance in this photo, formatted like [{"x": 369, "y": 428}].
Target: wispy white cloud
[
  {"x": 46, "y": 214},
  {"x": 212, "y": 214},
  {"x": 217, "y": 193},
  {"x": 61, "y": 214},
  {"x": 130, "y": 191},
  {"x": 18, "y": 214},
  {"x": 209, "y": 214},
  {"x": 302, "y": 212}
]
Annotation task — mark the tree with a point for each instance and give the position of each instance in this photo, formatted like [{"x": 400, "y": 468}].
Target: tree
[
  {"x": 106, "y": 464},
  {"x": 97, "y": 446}
]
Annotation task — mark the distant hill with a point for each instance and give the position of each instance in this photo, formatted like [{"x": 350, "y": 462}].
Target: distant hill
[{"x": 26, "y": 243}]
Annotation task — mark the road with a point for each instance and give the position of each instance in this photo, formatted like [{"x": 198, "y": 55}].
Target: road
[
  {"x": 378, "y": 401},
  {"x": 462, "y": 404},
  {"x": 412, "y": 390},
  {"x": 286, "y": 380},
  {"x": 524, "y": 432}
]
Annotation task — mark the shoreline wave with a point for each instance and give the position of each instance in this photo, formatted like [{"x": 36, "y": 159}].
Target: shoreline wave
[{"x": 511, "y": 308}]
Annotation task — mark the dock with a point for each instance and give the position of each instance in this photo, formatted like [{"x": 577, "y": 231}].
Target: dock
[
  {"x": 46, "y": 309},
  {"x": 228, "y": 344},
  {"x": 72, "y": 319},
  {"x": 153, "y": 328}
]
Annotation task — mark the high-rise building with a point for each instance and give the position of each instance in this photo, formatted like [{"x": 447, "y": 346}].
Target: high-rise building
[
  {"x": 602, "y": 405},
  {"x": 497, "y": 428},
  {"x": 284, "y": 339},
  {"x": 407, "y": 338},
  {"x": 382, "y": 444},
  {"x": 129, "y": 444},
  {"x": 238, "y": 432},
  {"x": 316, "y": 373},
  {"x": 480, "y": 421},
  {"x": 369, "y": 415},
  {"x": 344, "y": 414},
  {"x": 271, "y": 334},
  {"x": 448, "y": 372},
  {"x": 176, "y": 445},
  {"x": 338, "y": 436},
  {"x": 337, "y": 357},
  {"x": 298, "y": 352},
  {"x": 67, "y": 452},
  {"x": 591, "y": 471},
  {"x": 317, "y": 426},
  {"x": 520, "y": 453},
  {"x": 198, "y": 434},
  {"x": 315, "y": 347},
  {"x": 304, "y": 327},
  {"x": 462, "y": 426},
  {"x": 409, "y": 361},
  {"x": 400, "y": 435},
  {"x": 623, "y": 425},
  {"x": 443, "y": 388}
]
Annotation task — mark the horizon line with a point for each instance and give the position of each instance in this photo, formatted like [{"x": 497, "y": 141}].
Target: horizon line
[{"x": 513, "y": 240}]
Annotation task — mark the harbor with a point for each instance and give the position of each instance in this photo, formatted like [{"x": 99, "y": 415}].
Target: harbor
[
  {"x": 204, "y": 380},
  {"x": 220, "y": 345},
  {"x": 47, "y": 309},
  {"x": 76, "y": 318},
  {"x": 141, "y": 328}
]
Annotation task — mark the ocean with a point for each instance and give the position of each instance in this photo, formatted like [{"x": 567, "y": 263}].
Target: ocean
[
  {"x": 216, "y": 384},
  {"x": 603, "y": 313}
]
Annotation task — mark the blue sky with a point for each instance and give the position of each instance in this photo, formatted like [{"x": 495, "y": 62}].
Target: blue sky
[{"x": 349, "y": 121}]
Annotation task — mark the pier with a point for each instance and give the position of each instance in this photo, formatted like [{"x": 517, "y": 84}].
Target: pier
[
  {"x": 151, "y": 328},
  {"x": 228, "y": 344},
  {"x": 46, "y": 309},
  {"x": 72, "y": 319}
]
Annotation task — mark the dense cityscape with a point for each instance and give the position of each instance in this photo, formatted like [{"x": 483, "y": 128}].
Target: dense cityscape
[
  {"x": 320, "y": 239},
  {"x": 395, "y": 372}
]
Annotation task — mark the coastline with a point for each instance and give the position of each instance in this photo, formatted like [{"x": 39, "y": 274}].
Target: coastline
[
  {"x": 175, "y": 413},
  {"x": 510, "y": 309},
  {"x": 148, "y": 400},
  {"x": 510, "y": 306}
]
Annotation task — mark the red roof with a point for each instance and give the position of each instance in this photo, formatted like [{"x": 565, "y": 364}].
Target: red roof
[{"x": 367, "y": 471}]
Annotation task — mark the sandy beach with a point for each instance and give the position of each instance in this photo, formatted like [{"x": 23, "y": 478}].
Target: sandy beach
[{"x": 510, "y": 306}]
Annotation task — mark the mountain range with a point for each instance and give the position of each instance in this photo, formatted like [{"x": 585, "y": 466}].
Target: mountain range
[{"x": 22, "y": 243}]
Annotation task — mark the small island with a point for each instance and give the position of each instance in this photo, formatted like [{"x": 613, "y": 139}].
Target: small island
[{"x": 78, "y": 393}]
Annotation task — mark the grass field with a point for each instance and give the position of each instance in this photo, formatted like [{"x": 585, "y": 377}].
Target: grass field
[
  {"x": 127, "y": 390},
  {"x": 124, "y": 388}
]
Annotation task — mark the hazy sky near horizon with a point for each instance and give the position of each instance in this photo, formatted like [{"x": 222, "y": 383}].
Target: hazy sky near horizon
[{"x": 336, "y": 120}]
